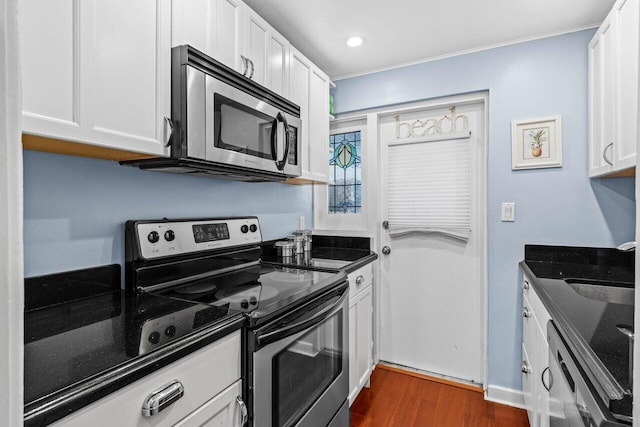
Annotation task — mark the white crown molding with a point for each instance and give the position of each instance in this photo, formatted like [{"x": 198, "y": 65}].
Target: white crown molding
[{"x": 466, "y": 52}]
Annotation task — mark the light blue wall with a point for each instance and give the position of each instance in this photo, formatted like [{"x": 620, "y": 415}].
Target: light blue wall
[
  {"x": 75, "y": 207},
  {"x": 553, "y": 206}
]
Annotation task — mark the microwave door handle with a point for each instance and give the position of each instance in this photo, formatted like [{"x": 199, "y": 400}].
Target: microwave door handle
[
  {"x": 280, "y": 164},
  {"x": 286, "y": 142},
  {"x": 274, "y": 141}
]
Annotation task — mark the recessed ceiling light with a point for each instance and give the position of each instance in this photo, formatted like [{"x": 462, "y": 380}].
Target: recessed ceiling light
[{"x": 355, "y": 41}]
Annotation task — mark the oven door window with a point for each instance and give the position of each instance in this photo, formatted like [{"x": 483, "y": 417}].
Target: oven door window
[
  {"x": 242, "y": 129},
  {"x": 305, "y": 369}
]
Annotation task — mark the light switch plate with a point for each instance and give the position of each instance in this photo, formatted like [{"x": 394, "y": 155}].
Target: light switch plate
[{"x": 508, "y": 211}]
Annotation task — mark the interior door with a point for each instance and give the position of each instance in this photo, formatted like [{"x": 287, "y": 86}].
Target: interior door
[{"x": 431, "y": 295}]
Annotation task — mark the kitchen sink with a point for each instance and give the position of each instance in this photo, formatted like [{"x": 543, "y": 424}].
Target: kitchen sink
[{"x": 609, "y": 292}]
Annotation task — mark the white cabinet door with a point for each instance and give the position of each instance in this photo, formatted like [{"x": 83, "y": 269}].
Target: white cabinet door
[
  {"x": 98, "y": 75},
  {"x": 601, "y": 102},
  {"x": 319, "y": 126},
  {"x": 300, "y": 70},
  {"x": 613, "y": 91},
  {"x": 627, "y": 18},
  {"x": 360, "y": 340},
  {"x": 211, "y": 26},
  {"x": 50, "y": 68},
  {"x": 527, "y": 387},
  {"x": 528, "y": 362},
  {"x": 222, "y": 410},
  {"x": 535, "y": 356},
  {"x": 268, "y": 53},
  {"x": 309, "y": 88},
  {"x": 360, "y": 329}
]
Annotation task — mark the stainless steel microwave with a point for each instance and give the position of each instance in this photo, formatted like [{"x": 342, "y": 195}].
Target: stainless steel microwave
[{"x": 225, "y": 124}]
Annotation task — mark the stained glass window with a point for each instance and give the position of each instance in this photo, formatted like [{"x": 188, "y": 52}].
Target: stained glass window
[{"x": 345, "y": 170}]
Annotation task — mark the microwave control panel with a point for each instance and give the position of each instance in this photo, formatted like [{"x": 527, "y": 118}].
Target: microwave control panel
[{"x": 169, "y": 238}]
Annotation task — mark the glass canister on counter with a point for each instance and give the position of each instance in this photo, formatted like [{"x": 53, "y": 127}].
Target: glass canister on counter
[
  {"x": 306, "y": 241},
  {"x": 285, "y": 250}
]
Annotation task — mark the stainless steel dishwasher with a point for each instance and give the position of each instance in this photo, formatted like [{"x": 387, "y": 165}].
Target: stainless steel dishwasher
[{"x": 573, "y": 401}]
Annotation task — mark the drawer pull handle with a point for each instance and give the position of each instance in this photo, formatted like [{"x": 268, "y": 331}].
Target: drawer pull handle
[
  {"x": 162, "y": 398},
  {"x": 359, "y": 280},
  {"x": 525, "y": 285},
  {"x": 526, "y": 312},
  {"x": 243, "y": 410}
]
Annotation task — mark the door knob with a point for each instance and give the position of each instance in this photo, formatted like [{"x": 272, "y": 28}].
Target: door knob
[{"x": 386, "y": 250}]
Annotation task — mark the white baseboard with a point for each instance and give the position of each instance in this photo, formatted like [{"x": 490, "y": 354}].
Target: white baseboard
[{"x": 505, "y": 396}]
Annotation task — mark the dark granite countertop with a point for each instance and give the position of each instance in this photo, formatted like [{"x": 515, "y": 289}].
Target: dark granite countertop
[
  {"x": 83, "y": 339},
  {"x": 588, "y": 324},
  {"x": 329, "y": 252}
]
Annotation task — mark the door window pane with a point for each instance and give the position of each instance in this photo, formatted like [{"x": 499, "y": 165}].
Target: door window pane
[{"x": 345, "y": 166}]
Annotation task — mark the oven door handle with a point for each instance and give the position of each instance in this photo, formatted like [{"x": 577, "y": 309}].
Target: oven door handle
[{"x": 293, "y": 328}]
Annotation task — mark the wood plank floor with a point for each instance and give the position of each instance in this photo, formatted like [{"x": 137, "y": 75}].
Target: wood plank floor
[{"x": 397, "y": 399}]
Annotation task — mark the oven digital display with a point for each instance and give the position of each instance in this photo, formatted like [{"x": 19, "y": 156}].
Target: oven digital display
[{"x": 210, "y": 232}]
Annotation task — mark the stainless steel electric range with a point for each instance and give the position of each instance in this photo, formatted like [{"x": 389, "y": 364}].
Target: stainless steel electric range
[{"x": 295, "y": 358}]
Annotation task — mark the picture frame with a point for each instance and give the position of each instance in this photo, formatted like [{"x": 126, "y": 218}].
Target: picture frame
[{"x": 536, "y": 143}]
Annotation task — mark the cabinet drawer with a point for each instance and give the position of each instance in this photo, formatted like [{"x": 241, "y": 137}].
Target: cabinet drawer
[
  {"x": 360, "y": 279},
  {"x": 535, "y": 304},
  {"x": 203, "y": 374},
  {"x": 528, "y": 386},
  {"x": 222, "y": 410}
]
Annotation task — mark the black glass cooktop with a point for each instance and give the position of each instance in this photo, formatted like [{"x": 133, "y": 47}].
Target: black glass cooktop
[{"x": 261, "y": 292}]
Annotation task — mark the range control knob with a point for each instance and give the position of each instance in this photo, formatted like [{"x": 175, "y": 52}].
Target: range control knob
[
  {"x": 153, "y": 237},
  {"x": 170, "y": 331},
  {"x": 169, "y": 235},
  {"x": 244, "y": 228},
  {"x": 154, "y": 337},
  {"x": 253, "y": 228},
  {"x": 244, "y": 303},
  {"x": 253, "y": 300}
]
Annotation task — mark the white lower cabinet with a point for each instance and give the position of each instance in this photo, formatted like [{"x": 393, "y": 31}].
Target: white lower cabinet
[
  {"x": 211, "y": 380},
  {"x": 535, "y": 356},
  {"x": 222, "y": 410},
  {"x": 360, "y": 329}
]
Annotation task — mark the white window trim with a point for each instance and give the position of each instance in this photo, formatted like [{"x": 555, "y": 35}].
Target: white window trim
[{"x": 322, "y": 219}]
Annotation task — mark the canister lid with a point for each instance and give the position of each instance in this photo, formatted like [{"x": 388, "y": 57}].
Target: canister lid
[{"x": 283, "y": 244}]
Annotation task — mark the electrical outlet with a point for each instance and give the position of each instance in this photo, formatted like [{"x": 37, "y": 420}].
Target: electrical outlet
[{"x": 508, "y": 211}]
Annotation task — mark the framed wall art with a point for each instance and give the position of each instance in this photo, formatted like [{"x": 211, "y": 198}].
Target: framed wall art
[{"x": 536, "y": 143}]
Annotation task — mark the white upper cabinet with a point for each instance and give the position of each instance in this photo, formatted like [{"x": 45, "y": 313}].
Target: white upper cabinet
[
  {"x": 211, "y": 26},
  {"x": 232, "y": 33},
  {"x": 613, "y": 91},
  {"x": 309, "y": 88},
  {"x": 95, "y": 75},
  {"x": 319, "y": 125},
  {"x": 267, "y": 52}
]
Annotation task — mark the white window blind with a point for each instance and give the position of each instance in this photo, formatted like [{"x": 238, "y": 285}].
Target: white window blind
[{"x": 429, "y": 187}]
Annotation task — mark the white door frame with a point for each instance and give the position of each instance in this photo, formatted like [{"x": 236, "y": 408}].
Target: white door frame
[
  {"x": 372, "y": 116},
  {"x": 11, "y": 217}
]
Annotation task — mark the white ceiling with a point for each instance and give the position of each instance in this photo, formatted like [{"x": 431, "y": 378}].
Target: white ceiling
[{"x": 404, "y": 31}]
